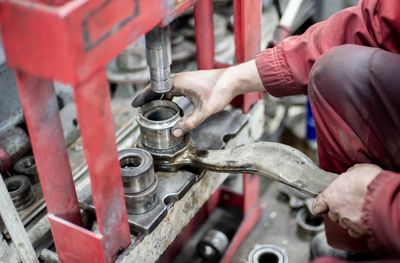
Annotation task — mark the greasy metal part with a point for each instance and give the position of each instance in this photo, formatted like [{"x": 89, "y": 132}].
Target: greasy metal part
[
  {"x": 26, "y": 166},
  {"x": 48, "y": 256},
  {"x": 14, "y": 143},
  {"x": 296, "y": 198},
  {"x": 137, "y": 170},
  {"x": 20, "y": 190},
  {"x": 156, "y": 120},
  {"x": 279, "y": 162},
  {"x": 213, "y": 245},
  {"x": 133, "y": 57},
  {"x": 267, "y": 253},
  {"x": 13, "y": 223},
  {"x": 130, "y": 66},
  {"x": 308, "y": 224},
  {"x": 158, "y": 51},
  {"x": 139, "y": 182},
  {"x": 69, "y": 123},
  {"x": 181, "y": 50}
]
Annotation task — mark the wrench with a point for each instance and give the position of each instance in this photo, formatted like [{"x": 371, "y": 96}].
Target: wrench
[{"x": 276, "y": 161}]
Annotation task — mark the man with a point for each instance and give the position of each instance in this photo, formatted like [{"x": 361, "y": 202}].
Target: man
[{"x": 355, "y": 97}]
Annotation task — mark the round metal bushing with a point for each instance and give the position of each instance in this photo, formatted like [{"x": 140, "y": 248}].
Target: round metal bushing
[
  {"x": 139, "y": 182},
  {"x": 213, "y": 245},
  {"x": 267, "y": 254},
  {"x": 27, "y": 166},
  {"x": 156, "y": 120},
  {"x": 136, "y": 169},
  {"x": 308, "y": 224},
  {"x": 143, "y": 202},
  {"x": 21, "y": 191}
]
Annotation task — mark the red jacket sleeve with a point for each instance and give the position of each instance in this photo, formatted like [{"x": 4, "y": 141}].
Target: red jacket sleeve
[
  {"x": 285, "y": 69},
  {"x": 381, "y": 213}
]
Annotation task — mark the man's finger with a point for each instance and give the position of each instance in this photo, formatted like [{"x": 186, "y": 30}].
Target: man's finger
[
  {"x": 146, "y": 95},
  {"x": 354, "y": 234},
  {"x": 333, "y": 216},
  {"x": 188, "y": 123},
  {"x": 319, "y": 205}
]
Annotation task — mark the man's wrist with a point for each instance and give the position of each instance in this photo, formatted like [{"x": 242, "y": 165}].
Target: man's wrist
[{"x": 245, "y": 78}]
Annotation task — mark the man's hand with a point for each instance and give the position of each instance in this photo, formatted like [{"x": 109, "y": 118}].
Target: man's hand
[
  {"x": 343, "y": 199},
  {"x": 210, "y": 91}
]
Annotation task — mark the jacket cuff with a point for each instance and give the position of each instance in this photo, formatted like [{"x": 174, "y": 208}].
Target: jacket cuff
[
  {"x": 274, "y": 72},
  {"x": 373, "y": 191}
]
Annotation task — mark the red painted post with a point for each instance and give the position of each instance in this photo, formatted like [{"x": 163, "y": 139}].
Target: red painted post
[
  {"x": 98, "y": 137},
  {"x": 247, "y": 27},
  {"x": 43, "y": 120},
  {"x": 204, "y": 34}
]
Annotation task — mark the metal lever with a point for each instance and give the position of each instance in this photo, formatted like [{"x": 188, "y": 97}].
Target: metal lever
[{"x": 276, "y": 161}]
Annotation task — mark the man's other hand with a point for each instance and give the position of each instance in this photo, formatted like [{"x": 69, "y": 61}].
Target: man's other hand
[{"x": 343, "y": 199}]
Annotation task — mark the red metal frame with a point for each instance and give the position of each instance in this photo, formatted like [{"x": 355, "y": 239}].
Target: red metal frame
[{"x": 72, "y": 41}]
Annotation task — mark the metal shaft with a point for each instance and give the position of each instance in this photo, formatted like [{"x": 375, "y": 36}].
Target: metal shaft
[{"x": 158, "y": 51}]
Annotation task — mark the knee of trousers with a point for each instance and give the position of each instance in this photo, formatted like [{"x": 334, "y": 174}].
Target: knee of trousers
[{"x": 340, "y": 72}]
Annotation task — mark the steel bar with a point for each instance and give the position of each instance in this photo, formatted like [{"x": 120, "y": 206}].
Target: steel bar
[
  {"x": 204, "y": 34},
  {"x": 15, "y": 227}
]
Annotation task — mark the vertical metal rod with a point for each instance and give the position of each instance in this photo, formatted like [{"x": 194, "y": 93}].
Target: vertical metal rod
[
  {"x": 204, "y": 32},
  {"x": 247, "y": 24},
  {"x": 45, "y": 131},
  {"x": 247, "y": 27},
  {"x": 15, "y": 227},
  {"x": 98, "y": 137}
]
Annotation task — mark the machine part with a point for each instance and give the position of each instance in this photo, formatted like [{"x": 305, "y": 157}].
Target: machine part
[
  {"x": 181, "y": 50},
  {"x": 156, "y": 120},
  {"x": 308, "y": 224},
  {"x": 296, "y": 198},
  {"x": 14, "y": 143},
  {"x": 130, "y": 66},
  {"x": 267, "y": 254},
  {"x": 280, "y": 162},
  {"x": 158, "y": 51},
  {"x": 13, "y": 223},
  {"x": 137, "y": 170},
  {"x": 48, "y": 256},
  {"x": 10, "y": 106},
  {"x": 213, "y": 245},
  {"x": 69, "y": 123},
  {"x": 140, "y": 183},
  {"x": 133, "y": 58},
  {"x": 173, "y": 186},
  {"x": 26, "y": 166},
  {"x": 20, "y": 190}
]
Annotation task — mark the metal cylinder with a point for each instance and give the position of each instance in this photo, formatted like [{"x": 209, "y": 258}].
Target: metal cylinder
[
  {"x": 267, "y": 253},
  {"x": 26, "y": 166},
  {"x": 213, "y": 245},
  {"x": 20, "y": 190},
  {"x": 308, "y": 224},
  {"x": 133, "y": 57},
  {"x": 156, "y": 120},
  {"x": 158, "y": 52},
  {"x": 139, "y": 182},
  {"x": 14, "y": 143}
]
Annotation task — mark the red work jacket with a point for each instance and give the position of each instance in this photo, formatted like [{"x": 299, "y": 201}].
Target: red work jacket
[{"x": 285, "y": 70}]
